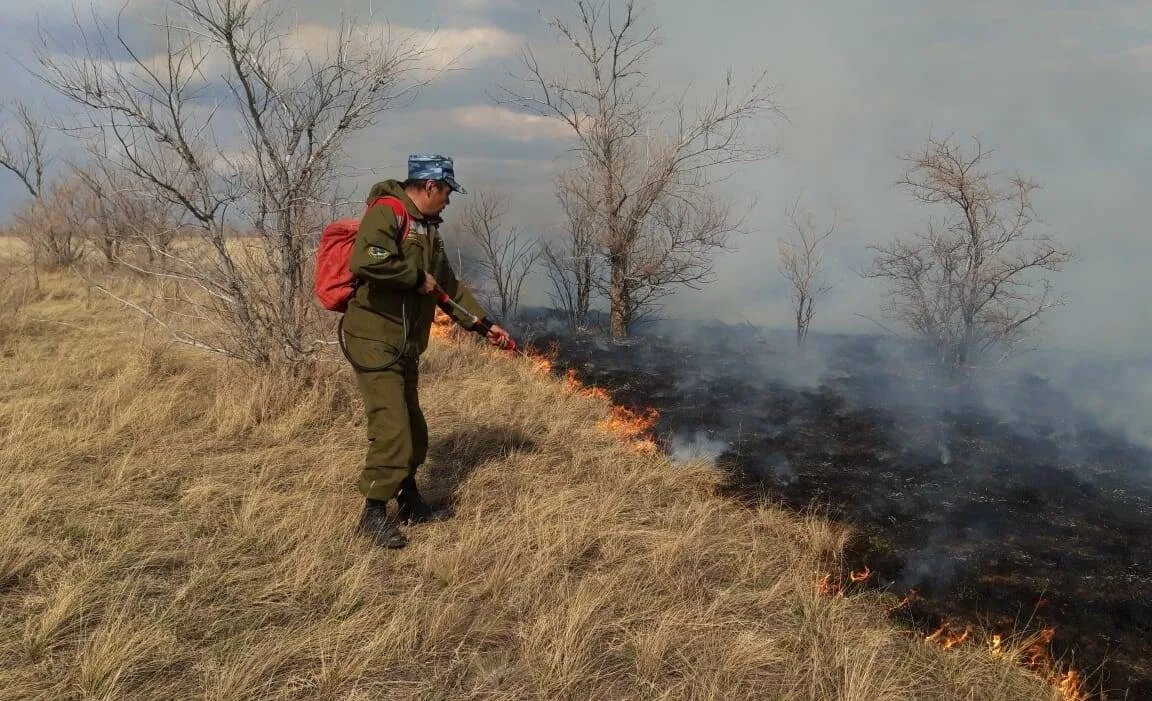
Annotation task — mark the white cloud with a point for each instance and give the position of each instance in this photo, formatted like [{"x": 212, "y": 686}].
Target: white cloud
[
  {"x": 463, "y": 47},
  {"x": 484, "y": 4},
  {"x": 515, "y": 126},
  {"x": 444, "y": 49},
  {"x": 469, "y": 46}
]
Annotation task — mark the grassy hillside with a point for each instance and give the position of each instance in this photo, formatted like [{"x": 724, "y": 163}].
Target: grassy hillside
[{"x": 180, "y": 527}]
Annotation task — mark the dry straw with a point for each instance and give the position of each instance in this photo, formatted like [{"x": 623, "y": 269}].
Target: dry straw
[{"x": 178, "y": 527}]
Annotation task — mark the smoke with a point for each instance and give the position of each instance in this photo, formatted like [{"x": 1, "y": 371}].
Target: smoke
[
  {"x": 986, "y": 490},
  {"x": 699, "y": 445}
]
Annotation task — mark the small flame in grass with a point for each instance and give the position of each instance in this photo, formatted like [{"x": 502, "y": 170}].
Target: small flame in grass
[
  {"x": 541, "y": 362},
  {"x": 955, "y": 640},
  {"x": 829, "y": 588},
  {"x": 947, "y": 638},
  {"x": 1071, "y": 686},
  {"x": 646, "y": 446},
  {"x": 1033, "y": 654},
  {"x": 903, "y": 602},
  {"x": 633, "y": 425},
  {"x": 828, "y": 585},
  {"x": 442, "y": 326},
  {"x": 573, "y": 384},
  {"x": 1036, "y": 652}
]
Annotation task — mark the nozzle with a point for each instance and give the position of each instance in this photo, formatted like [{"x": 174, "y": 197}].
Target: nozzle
[{"x": 481, "y": 326}]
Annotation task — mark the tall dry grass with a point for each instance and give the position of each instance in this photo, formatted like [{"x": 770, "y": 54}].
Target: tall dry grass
[{"x": 178, "y": 527}]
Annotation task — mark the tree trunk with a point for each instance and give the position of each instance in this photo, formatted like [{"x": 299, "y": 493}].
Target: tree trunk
[
  {"x": 620, "y": 298},
  {"x": 583, "y": 287},
  {"x": 289, "y": 278},
  {"x": 108, "y": 248}
]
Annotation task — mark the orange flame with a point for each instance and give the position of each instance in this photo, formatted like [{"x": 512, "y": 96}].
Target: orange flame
[
  {"x": 573, "y": 384},
  {"x": 931, "y": 637},
  {"x": 829, "y": 588},
  {"x": 834, "y": 586},
  {"x": 443, "y": 326},
  {"x": 632, "y": 424},
  {"x": 903, "y": 602},
  {"x": 1036, "y": 653},
  {"x": 947, "y": 638},
  {"x": 1071, "y": 686},
  {"x": 540, "y": 362},
  {"x": 646, "y": 446},
  {"x": 954, "y": 640}
]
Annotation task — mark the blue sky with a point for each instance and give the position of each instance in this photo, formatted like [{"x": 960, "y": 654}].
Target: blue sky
[{"x": 1062, "y": 90}]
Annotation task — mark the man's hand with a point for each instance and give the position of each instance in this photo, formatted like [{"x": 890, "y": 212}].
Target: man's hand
[
  {"x": 429, "y": 285},
  {"x": 499, "y": 337}
]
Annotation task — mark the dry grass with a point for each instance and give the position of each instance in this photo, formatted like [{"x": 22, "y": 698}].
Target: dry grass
[{"x": 177, "y": 528}]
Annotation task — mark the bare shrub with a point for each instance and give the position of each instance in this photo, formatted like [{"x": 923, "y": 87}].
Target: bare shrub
[
  {"x": 55, "y": 225},
  {"x": 132, "y": 222},
  {"x": 571, "y": 262},
  {"x": 170, "y": 120},
  {"x": 506, "y": 254},
  {"x": 973, "y": 283},
  {"x": 801, "y": 263},
  {"x": 644, "y": 173}
]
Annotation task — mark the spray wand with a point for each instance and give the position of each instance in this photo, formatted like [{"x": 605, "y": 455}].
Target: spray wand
[{"x": 478, "y": 325}]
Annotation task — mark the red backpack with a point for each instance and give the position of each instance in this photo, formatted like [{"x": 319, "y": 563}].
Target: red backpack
[{"x": 335, "y": 283}]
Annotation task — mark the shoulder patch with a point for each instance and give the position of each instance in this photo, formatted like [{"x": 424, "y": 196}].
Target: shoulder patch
[{"x": 378, "y": 252}]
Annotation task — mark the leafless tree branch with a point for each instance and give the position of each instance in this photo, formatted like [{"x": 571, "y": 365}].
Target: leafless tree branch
[
  {"x": 973, "y": 282},
  {"x": 25, "y": 153},
  {"x": 507, "y": 256}
]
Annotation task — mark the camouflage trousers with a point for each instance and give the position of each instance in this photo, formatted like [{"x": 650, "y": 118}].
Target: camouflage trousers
[{"x": 397, "y": 431}]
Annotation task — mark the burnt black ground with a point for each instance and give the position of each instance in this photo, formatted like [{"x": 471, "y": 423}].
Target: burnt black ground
[{"x": 1001, "y": 505}]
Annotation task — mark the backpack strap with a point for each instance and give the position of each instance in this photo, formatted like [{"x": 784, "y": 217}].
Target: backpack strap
[{"x": 401, "y": 212}]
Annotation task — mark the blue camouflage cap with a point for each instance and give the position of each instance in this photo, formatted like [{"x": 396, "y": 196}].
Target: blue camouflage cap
[{"x": 423, "y": 167}]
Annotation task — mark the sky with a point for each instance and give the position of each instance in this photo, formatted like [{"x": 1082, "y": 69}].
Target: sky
[{"x": 1061, "y": 90}]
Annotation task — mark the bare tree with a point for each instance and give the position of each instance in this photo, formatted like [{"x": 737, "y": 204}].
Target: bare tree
[
  {"x": 802, "y": 262},
  {"x": 237, "y": 125},
  {"x": 55, "y": 225},
  {"x": 133, "y": 222},
  {"x": 54, "y": 222},
  {"x": 570, "y": 263},
  {"x": 974, "y": 282},
  {"x": 644, "y": 173},
  {"x": 23, "y": 149},
  {"x": 506, "y": 255}
]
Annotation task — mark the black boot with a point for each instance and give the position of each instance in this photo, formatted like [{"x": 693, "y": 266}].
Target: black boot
[
  {"x": 413, "y": 508},
  {"x": 379, "y": 526}
]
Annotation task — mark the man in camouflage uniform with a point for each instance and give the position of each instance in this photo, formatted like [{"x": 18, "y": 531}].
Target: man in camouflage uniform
[{"x": 386, "y": 329}]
